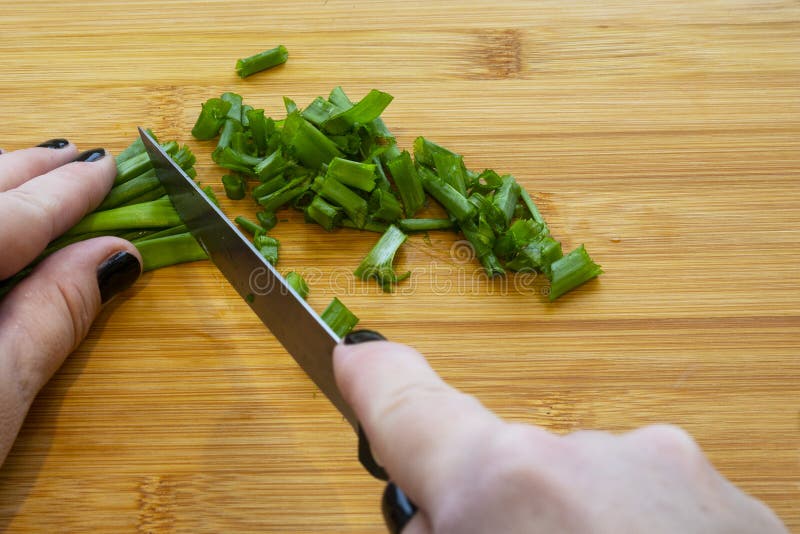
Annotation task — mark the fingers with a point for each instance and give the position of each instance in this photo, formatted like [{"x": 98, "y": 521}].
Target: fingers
[
  {"x": 419, "y": 427},
  {"x": 44, "y": 207},
  {"x": 19, "y": 166},
  {"x": 48, "y": 314}
]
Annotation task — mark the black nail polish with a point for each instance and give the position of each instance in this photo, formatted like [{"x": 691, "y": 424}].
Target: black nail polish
[
  {"x": 54, "y": 143},
  {"x": 91, "y": 155},
  {"x": 362, "y": 336},
  {"x": 117, "y": 274},
  {"x": 397, "y": 508}
]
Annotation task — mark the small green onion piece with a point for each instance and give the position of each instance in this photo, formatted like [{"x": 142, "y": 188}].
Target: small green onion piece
[
  {"x": 384, "y": 206},
  {"x": 262, "y": 61},
  {"x": 454, "y": 202},
  {"x": 309, "y": 145},
  {"x": 249, "y": 226},
  {"x": 369, "y": 226},
  {"x": 270, "y": 166},
  {"x": 482, "y": 238},
  {"x": 378, "y": 262},
  {"x": 528, "y": 201},
  {"x": 169, "y": 250},
  {"x": 173, "y": 230},
  {"x": 326, "y": 215},
  {"x": 450, "y": 168},
  {"x": 284, "y": 195},
  {"x": 235, "y": 161},
  {"x": 136, "y": 165},
  {"x": 320, "y": 110},
  {"x": 571, "y": 271},
  {"x": 352, "y": 173},
  {"x": 424, "y": 151},
  {"x": 537, "y": 256},
  {"x": 366, "y": 110},
  {"x": 270, "y": 186},
  {"x": 212, "y": 196},
  {"x": 267, "y": 246},
  {"x": 339, "y": 318},
  {"x": 408, "y": 182},
  {"x": 334, "y": 191},
  {"x": 235, "y": 111},
  {"x": 298, "y": 283},
  {"x": 267, "y": 220},
  {"x": 424, "y": 225},
  {"x": 234, "y": 186},
  {"x": 211, "y": 118},
  {"x": 489, "y": 211},
  {"x": 257, "y": 123},
  {"x": 519, "y": 234},
  {"x": 506, "y": 197}
]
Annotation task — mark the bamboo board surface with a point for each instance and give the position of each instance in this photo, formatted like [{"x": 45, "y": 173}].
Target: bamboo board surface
[{"x": 663, "y": 135}]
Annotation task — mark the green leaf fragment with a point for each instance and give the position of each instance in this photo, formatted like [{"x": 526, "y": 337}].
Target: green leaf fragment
[{"x": 378, "y": 262}]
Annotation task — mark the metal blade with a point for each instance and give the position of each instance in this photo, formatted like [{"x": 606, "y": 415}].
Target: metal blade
[{"x": 290, "y": 319}]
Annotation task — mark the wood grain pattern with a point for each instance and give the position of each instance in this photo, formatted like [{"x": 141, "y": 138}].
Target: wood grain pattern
[{"x": 663, "y": 135}]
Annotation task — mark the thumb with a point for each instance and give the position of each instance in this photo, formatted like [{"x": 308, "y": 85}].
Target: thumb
[
  {"x": 47, "y": 315},
  {"x": 420, "y": 429}
]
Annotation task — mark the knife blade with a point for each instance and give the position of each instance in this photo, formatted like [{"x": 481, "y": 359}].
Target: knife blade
[{"x": 303, "y": 334}]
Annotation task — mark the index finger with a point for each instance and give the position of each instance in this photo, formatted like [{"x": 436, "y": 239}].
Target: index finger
[
  {"x": 421, "y": 430},
  {"x": 44, "y": 207}
]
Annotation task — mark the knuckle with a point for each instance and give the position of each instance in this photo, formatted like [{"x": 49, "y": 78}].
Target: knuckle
[{"x": 671, "y": 441}]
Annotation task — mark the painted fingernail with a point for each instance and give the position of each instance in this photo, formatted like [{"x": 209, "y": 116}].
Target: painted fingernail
[
  {"x": 362, "y": 336},
  {"x": 54, "y": 143},
  {"x": 91, "y": 155},
  {"x": 117, "y": 274}
]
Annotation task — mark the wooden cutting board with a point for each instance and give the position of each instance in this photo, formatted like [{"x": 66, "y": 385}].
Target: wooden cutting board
[{"x": 663, "y": 135}]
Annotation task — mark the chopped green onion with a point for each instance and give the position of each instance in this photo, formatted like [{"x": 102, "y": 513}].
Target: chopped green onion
[
  {"x": 571, "y": 271},
  {"x": 424, "y": 225},
  {"x": 262, "y": 61},
  {"x": 211, "y": 118},
  {"x": 454, "y": 202},
  {"x": 334, "y": 191},
  {"x": 169, "y": 250},
  {"x": 408, "y": 182},
  {"x": 352, "y": 173},
  {"x": 267, "y": 219},
  {"x": 366, "y": 110},
  {"x": 378, "y": 262},
  {"x": 339, "y": 318},
  {"x": 384, "y": 206},
  {"x": 249, "y": 226},
  {"x": 326, "y": 215},
  {"x": 234, "y": 186},
  {"x": 267, "y": 246},
  {"x": 297, "y": 283}
]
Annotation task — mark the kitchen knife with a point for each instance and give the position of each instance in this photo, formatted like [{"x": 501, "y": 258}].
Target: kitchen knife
[{"x": 287, "y": 315}]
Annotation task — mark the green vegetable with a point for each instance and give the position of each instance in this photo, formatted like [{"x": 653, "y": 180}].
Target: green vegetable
[
  {"x": 326, "y": 215},
  {"x": 454, "y": 202},
  {"x": 249, "y": 226},
  {"x": 155, "y": 214},
  {"x": 262, "y": 61},
  {"x": 352, "y": 173},
  {"x": 211, "y": 118},
  {"x": 331, "y": 189},
  {"x": 408, "y": 183},
  {"x": 384, "y": 206},
  {"x": 234, "y": 186},
  {"x": 378, "y": 262},
  {"x": 339, "y": 318},
  {"x": 424, "y": 225},
  {"x": 268, "y": 247},
  {"x": 571, "y": 271},
  {"x": 310, "y": 146},
  {"x": 267, "y": 220},
  {"x": 297, "y": 283},
  {"x": 366, "y": 110},
  {"x": 169, "y": 250}
]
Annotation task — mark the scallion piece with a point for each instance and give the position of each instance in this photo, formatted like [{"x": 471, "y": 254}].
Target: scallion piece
[
  {"x": 211, "y": 118},
  {"x": 366, "y": 110},
  {"x": 262, "y": 61},
  {"x": 267, "y": 246},
  {"x": 309, "y": 145},
  {"x": 339, "y": 318},
  {"x": 155, "y": 214},
  {"x": 234, "y": 186},
  {"x": 354, "y": 206},
  {"x": 169, "y": 250},
  {"x": 408, "y": 182},
  {"x": 352, "y": 173},
  {"x": 249, "y": 226},
  {"x": 378, "y": 262},
  {"x": 571, "y": 271},
  {"x": 384, "y": 206},
  {"x": 454, "y": 202},
  {"x": 424, "y": 225},
  {"x": 267, "y": 220},
  {"x": 298, "y": 283},
  {"x": 323, "y": 213}
]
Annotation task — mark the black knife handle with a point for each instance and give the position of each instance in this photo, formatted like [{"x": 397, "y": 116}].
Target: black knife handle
[{"x": 397, "y": 508}]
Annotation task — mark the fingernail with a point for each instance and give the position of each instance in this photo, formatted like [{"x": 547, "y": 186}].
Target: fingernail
[
  {"x": 397, "y": 508},
  {"x": 117, "y": 274},
  {"x": 91, "y": 155},
  {"x": 362, "y": 336},
  {"x": 54, "y": 143}
]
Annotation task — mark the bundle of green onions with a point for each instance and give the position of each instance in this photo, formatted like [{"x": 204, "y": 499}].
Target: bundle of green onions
[
  {"x": 337, "y": 162},
  {"x": 136, "y": 209}
]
